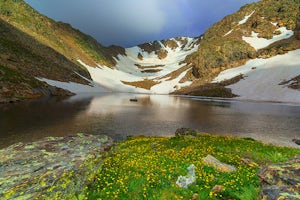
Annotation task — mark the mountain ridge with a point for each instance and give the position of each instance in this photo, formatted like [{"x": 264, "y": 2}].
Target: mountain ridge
[{"x": 54, "y": 51}]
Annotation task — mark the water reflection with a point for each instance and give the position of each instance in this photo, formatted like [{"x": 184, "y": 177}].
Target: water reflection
[{"x": 114, "y": 115}]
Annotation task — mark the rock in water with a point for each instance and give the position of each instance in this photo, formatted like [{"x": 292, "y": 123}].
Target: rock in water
[
  {"x": 297, "y": 141},
  {"x": 213, "y": 162},
  {"x": 281, "y": 181},
  {"x": 185, "y": 181},
  {"x": 52, "y": 168},
  {"x": 185, "y": 132}
]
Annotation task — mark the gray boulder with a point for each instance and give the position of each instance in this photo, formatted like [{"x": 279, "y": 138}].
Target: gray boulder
[
  {"x": 185, "y": 132},
  {"x": 281, "y": 181},
  {"x": 52, "y": 168}
]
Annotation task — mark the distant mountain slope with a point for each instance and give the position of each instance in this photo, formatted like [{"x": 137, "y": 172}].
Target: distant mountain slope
[
  {"x": 153, "y": 67},
  {"x": 226, "y": 43},
  {"x": 37, "y": 52},
  {"x": 59, "y": 36},
  {"x": 33, "y": 45},
  {"x": 259, "y": 30}
]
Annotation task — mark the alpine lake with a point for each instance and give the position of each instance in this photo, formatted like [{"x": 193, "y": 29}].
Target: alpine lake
[{"x": 119, "y": 115}]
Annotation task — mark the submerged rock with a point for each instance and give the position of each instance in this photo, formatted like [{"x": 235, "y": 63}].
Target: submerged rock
[
  {"x": 52, "y": 168},
  {"x": 281, "y": 181},
  {"x": 213, "y": 162},
  {"x": 297, "y": 141}
]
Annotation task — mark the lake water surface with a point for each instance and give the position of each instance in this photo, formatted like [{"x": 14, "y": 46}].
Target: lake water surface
[{"x": 114, "y": 115}]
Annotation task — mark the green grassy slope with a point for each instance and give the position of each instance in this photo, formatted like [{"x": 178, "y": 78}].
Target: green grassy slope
[{"x": 36, "y": 46}]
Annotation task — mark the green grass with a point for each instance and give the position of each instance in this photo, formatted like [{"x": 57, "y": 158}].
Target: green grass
[
  {"x": 8, "y": 75},
  {"x": 147, "y": 168}
]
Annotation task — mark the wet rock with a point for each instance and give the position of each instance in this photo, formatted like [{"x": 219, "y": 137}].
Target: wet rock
[
  {"x": 297, "y": 141},
  {"x": 52, "y": 168},
  {"x": 185, "y": 132},
  {"x": 281, "y": 181},
  {"x": 213, "y": 162}
]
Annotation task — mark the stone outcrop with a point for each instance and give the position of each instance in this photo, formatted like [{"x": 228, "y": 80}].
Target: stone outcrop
[
  {"x": 52, "y": 168},
  {"x": 213, "y": 162},
  {"x": 281, "y": 181}
]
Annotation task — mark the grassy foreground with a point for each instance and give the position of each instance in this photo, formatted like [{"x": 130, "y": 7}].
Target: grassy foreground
[{"x": 147, "y": 168}]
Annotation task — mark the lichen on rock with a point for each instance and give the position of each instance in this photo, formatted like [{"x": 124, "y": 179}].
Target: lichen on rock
[
  {"x": 190, "y": 178},
  {"x": 281, "y": 181},
  {"x": 213, "y": 162},
  {"x": 52, "y": 168}
]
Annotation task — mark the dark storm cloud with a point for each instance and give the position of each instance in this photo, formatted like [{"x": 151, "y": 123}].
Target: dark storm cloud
[{"x": 131, "y": 22}]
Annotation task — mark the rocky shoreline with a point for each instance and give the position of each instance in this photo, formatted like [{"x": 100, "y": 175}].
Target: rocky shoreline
[{"x": 52, "y": 168}]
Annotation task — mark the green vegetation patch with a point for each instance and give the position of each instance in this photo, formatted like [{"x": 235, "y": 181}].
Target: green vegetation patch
[
  {"x": 14, "y": 77},
  {"x": 148, "y": 168}
]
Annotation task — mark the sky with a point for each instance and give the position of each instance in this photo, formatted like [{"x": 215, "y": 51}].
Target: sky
[{"x": 131, "y": 22}]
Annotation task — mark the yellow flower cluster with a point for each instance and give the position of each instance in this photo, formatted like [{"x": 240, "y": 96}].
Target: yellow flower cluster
[{"x": 147, "y": 168}]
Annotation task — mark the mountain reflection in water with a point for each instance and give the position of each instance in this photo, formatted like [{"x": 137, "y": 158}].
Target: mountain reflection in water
[{"x": 115, "y": 115}]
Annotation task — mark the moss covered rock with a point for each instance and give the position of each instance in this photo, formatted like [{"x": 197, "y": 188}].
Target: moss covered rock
[
  {"x": 281, "y": 181},
  {"x": 52, "y": 168}
]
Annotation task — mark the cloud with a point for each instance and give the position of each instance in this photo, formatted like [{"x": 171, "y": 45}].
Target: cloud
[
  {"x": 130, "y": 15},
  {"x": 131, "y": 22}
]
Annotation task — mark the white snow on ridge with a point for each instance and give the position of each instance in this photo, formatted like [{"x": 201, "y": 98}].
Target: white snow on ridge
[
  {"x": 263, "y": 76},
  {"x": 228, "y": 33},
  {"x": 74, "y": 87},
  {"x": 259, "y": 43},
  {"x": 170, "y": 63},
  {"x": 112, "y": 78},
  {"x": 274, "y": 23},
  {"x": 168, "y": 86},
  {"x": 127, "y": 71},
  {"x": 243, "y": 21}
]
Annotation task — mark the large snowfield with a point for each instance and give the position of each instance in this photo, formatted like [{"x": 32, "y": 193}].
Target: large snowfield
[
  {"x": 127, "y": 70},
  {"x": 262, "y": 78}
]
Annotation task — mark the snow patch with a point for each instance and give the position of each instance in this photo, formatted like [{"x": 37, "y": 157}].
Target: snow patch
[
  {"x": 274, "y": 23},
  {"x": 126, "y": 69},
  {"x": 246, "y": 18},
  {"x": 263, "y": 76},
  {"x": 74, "y": 87},
  {"x": 112, "y": 78},
  {"x": 259, "y": 43},
  {"x": 168, "y": 86},
  {"x": 228, "y": 33}
]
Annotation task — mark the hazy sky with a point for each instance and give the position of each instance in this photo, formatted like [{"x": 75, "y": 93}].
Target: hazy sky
[{"x": 131, "y": 22}]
